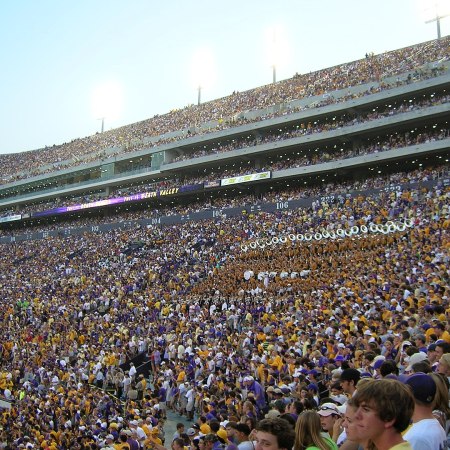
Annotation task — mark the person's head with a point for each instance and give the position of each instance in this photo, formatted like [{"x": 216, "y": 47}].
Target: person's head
[
  {"x": 191, "y": 433},
  {"x": 419, "y": 340},
  {"x": 308, "y": 431},
  {"x": 222, "y": 434},
  {"x": 442, "y": 347},
  {"x": 441, "y": 399},
  {"x": 280, "y": 406},
  {"x": 295, "y": 407},
  {"x": 109, "y": 439},
  {"x": 231, "y": 430},
  {"x": 388, "y": 367},
  {"x": 423, "y": 388},
  {"x": 242, "y": 431},
  {"x": 421, "y": 366},
  {"x": 201, "y": 443},
  {"x": 383, "y": 406},
  {"x": 210, "y": 440},
  {"x": 214, "y": 425},
  {"x": 444, "y": 364},
  {"x": 289, "y": 418},
  {"x": 328, "y": 414},
  {"x": 251, "y": 422},
  {"x": 350, "y": 425},
  {"x": 178, "y": 444},
  {"x": 349, "y": 379},
  {"x": 431, "y": 353},
  {"x": 274, "y": 434},
  {"x": 439, "y": 329}
]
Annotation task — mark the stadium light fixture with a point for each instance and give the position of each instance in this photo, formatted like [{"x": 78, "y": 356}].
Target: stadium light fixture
[
  {"x": 435, "y": 11},
  {"x": 106, "y": 101},
  {"x": 103, "y": 123},
  {"x": 277, "y": 45},
  {"x": 203, "y": 71}
]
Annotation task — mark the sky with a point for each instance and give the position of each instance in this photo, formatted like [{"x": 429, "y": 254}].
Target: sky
[{"x": 66, "y": 65}]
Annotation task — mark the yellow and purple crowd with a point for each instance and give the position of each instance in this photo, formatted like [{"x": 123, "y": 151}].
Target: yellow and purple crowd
[{"x": 322, "y": 327}]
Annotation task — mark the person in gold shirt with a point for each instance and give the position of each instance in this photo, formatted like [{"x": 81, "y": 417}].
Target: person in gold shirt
[
  {"x": 204, "y": 427},
  {"x": 441, "y": 332},
  {"x": 153, "y": 439}
]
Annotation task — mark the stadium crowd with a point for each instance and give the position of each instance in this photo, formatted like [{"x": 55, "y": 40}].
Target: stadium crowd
[
  {"x": 422, "y": 174},
  {"x": 397, "y": 140},
  {"x": 417, "y": 61},
  {"x": 287, "y": 324},
  {"x": 231, "y": 336}
]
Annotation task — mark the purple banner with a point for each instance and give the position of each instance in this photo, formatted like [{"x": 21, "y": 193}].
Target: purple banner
[{"x": 117, "y": 200}]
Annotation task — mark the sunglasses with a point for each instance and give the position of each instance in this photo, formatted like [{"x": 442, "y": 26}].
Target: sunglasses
[{"x": 327, "y": 408}]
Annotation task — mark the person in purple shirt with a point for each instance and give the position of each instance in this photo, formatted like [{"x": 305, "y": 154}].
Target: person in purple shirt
[{"x": 253, "y": 386}]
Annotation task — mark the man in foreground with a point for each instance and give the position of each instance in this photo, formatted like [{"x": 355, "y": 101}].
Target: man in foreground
[{"x": 383, "y": 411}]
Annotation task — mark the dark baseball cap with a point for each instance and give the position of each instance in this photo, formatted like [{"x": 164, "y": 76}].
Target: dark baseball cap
[{"x": 423, "y": 387}]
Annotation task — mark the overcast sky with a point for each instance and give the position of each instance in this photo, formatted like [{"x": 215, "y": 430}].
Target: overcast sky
[{"x": 60, "y": 59}]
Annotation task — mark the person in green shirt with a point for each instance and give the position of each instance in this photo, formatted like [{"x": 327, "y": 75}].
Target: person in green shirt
[{"x": 308, "y": 433}]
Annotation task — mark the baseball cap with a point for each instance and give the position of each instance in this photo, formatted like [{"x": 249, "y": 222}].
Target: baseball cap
[
  {"x": 420, "y": 336},
  {"x": 190, "y": 432},
  {"x": 340, "y": 398},
  {"x": 327, "y": 409},
  {"x": 378, "y": 364},
  {"x": 415, "y": 358},
  {"x": 423, "y": 387},
  {"x": 272, "y": 414},
  {"x": 222, "y": 434}
]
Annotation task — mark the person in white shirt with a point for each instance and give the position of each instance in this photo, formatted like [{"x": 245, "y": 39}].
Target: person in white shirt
[
  {"x": 426, "y": 433},
  {"x": 132, "y": 371},
  {"x": 190, "y": 397},
  {"x": 242, "y": 432}
]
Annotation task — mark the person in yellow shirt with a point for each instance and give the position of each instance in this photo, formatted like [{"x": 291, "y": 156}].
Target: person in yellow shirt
[
  {"x": 441, "y": 332},
  {"x": 275, "y": 360},
  {"x": 152, "y": 439},
  {"x": 204, "y": 427}
]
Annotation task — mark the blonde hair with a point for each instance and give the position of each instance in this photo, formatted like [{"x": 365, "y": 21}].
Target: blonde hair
[
  {"x": 308, "y": 432},
  {"x": 441, "y": 398},
  {"x": 446, "y": 358}
]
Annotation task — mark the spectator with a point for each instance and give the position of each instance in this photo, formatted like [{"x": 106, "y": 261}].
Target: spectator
[
  {"x": 274, "y": 434},
  {"x": 308, "y": 435},
  {"x": 426, "y": 432},
  {"x": 384, "y": 410}
]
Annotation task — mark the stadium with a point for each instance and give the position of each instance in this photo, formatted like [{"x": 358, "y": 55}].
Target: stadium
[{"x": 268, "y": 239}]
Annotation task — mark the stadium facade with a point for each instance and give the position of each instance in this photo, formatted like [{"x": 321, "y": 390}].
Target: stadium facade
[{"x": 383, "y": 126}]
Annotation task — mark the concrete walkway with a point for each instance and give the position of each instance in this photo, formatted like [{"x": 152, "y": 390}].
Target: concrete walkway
[{"x": 171, "y": 425}]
